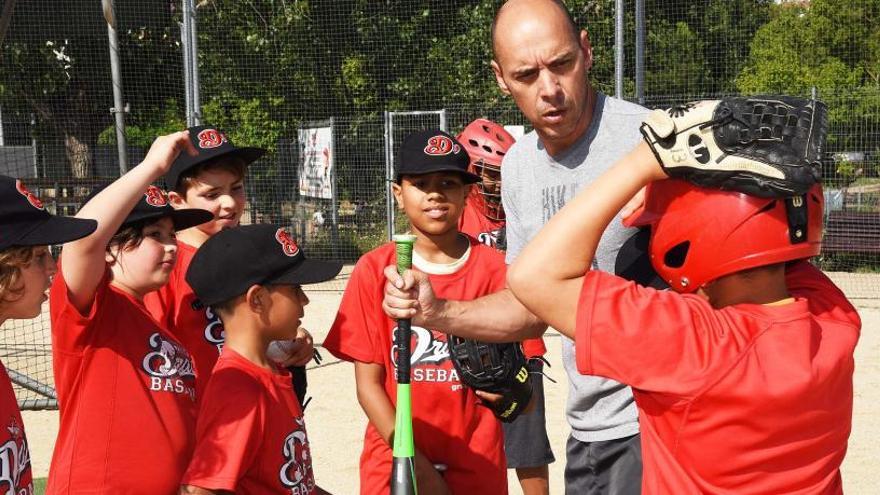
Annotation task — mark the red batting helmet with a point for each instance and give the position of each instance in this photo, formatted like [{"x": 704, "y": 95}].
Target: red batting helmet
[
  {"x": 699, "y": 235},
  {"x": 486, "y": 143}
]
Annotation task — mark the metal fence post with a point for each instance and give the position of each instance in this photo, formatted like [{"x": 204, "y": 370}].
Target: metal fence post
[
  {"x": 118, "y": 109},
  {"x": 640, "y": 51},
  {"x": 618, "y": 49},
  {"x": 194, "y": 64}
]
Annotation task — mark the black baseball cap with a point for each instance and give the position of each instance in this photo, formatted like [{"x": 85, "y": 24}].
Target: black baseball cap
[
  {"x": 233, "y": 260},
  {"x": 154, "y": 204},
  {"x": 24, "y": 220},
  {"x": 634, "y": 263},
  {"x": 211, "y": 143},
  {"x": 433, "y": 150}
]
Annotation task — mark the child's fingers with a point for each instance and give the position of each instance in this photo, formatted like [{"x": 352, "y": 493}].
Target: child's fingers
[
  {"x": 187, "y": 144},
  {"x": 634, "y": 204}
]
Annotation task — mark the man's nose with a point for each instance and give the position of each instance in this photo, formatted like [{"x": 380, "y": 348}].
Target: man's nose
[{"x": 549, "y": 85}]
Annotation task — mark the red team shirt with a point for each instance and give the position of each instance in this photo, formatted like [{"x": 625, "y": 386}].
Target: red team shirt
[
  {"x": 475, "y": 223},
  {"x": 126, "y": 391},
  {"x": 251, "y": 437},
  {"x": 197, "y": 328},
  {"x": 15, "y": 458},
  {"x": 745, "y": 399},
  {"x": 448, "y": 424}
]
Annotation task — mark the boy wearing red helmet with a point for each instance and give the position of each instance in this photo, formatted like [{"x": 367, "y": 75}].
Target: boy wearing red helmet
[
  {"x": 526, "y": 444},
  {"x": 742, "y": 374}
]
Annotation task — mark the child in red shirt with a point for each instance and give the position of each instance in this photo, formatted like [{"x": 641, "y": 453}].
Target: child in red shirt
[
  {"x": 458, "y": 442},
  {"x": 251, "y": 436},
  {"x": 743, "y": 374},
  {"x": 213, "y": 180},
  {"x": 126, "y": 387},
  {"x": 26, "y": 268},
  {"x": 526, "y": 444}
]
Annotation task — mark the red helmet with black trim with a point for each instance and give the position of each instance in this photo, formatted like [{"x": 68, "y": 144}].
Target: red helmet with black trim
[
  {"x": 486, "y": 143},
  {"x": 699, "y": 235}
]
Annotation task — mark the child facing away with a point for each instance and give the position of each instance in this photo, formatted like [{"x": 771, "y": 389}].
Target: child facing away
[
  {"x": 459, "y": 445},
  {"x": 26, "y": 269},
  {"x": 251, "y": 436},
  {"x": 126, "y": 388},
  {"x": 526, "y": 444},
  {"x": 742, "y": 374},
  {"x": 212, "y": 180}
]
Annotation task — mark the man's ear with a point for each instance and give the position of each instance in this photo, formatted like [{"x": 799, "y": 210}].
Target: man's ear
[
  {"x": 499, "y": 77},
  {"x": 586, "y": 49},
  {"x": 177, "y": 201},
  {"x": 257, "y": 298}
]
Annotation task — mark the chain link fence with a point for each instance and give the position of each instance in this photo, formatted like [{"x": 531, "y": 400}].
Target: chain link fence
[{"x": 331, "y": 87}]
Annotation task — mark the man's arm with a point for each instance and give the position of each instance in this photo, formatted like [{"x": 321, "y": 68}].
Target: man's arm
[
  {"x": 497, "y": 317},
  {"x": 547, "y": 276}
]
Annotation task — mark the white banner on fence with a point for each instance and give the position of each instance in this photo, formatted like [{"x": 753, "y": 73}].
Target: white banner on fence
[{"x": 316, "y": 162}]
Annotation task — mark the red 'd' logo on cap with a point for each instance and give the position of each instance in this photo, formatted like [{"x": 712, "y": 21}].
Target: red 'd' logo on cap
[
  {"x": 211, "y": 138},
  {"x": 32, "y": 199},
  {"x": 155, "y": 197},
  {"x": 441, "y": 145},
  {"x": 287, "y": 243}
]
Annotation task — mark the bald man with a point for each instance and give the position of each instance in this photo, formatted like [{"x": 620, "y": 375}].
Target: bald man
[{"x": 541, "y": 59}]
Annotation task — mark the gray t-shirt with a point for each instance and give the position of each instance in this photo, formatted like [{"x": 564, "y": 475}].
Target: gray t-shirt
[{"x": 536, "y": 186}]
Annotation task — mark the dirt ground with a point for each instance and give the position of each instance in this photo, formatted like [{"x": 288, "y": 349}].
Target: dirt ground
[{"x": 336, "y": 424}]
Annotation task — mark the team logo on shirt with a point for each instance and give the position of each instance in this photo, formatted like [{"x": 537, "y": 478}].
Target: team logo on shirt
[
  {"x": 441, "y": 146},
  {"x": 15, "y": 460},
  {"x": 489, "y": 238},
  {"x": 169, "y": 367},
  {"x": 211, "y": 138},
  {"x": 296, "y": 472},
  {"x": 31, "y": 197},
  {"x": 429, "y": 358},
  {"x": 155, "y": 197},
  {"x": 215, "y": 333}
]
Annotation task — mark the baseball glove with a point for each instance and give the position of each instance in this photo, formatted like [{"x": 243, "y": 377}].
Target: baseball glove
[
  {"x": 497, "y": 368},
  {"x": 769, "y": 146}
]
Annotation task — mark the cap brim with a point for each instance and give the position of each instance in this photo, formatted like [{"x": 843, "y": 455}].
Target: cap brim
[
  {"x": 634, "y": 261},
  {"x": 182, "y": 219},
  {"x": 309, "y": 272},
  {"x": 468, "y": 177},
  {"x": 58, "y": 230}
]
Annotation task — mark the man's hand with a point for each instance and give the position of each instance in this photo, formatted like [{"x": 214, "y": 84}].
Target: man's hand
[
  {"x": 410, "y": 296},
  {"x": 428, "y": 479}
]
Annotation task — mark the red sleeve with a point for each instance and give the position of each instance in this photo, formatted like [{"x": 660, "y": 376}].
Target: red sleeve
[
  {"x": 658, "y": 341},
  {"x": 71, "y": 330},
  {"x": 229, "y": 431},
  {"x": 825, "y": 299},
  {"x": 353, "y": 336}
]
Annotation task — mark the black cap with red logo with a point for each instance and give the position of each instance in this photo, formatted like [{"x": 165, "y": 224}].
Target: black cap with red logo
[
  {"x": 154, "y": 204},
  {"x": 212, "y": 144},
  {"x": 433, "y": 150},
  {"x": 233, "y": 260},
  {"x": 24, "y": 220}
]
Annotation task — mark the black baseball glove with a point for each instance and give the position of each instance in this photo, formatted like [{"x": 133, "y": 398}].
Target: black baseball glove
[
  {"x": 768, "y": 146},
  {"x": 496, "y": 368}
]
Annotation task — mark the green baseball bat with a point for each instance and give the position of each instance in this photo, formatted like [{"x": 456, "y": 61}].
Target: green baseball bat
[{"x": 403, "y": 470}]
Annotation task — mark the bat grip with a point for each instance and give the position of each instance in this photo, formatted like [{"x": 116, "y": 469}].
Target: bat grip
[{"x": 402, "y": 337}]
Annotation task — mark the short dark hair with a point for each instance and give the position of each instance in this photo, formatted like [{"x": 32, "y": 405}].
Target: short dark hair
[
  {"x": 235, "y": 166},
  {"x": 574, "y": 29},
  {"x": 129, "y": 236}
]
